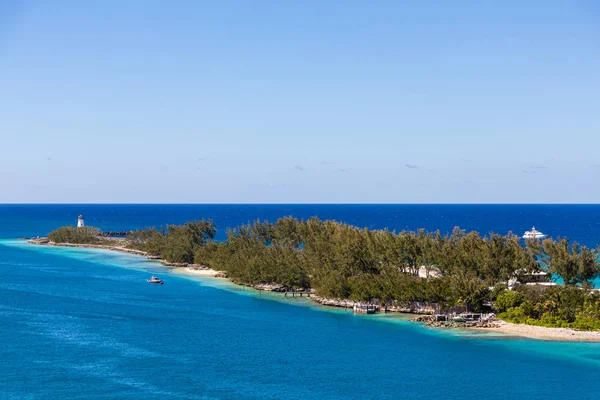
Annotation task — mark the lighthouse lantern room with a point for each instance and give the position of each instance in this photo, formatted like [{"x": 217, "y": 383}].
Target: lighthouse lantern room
[{"x": 80, "y": 221}]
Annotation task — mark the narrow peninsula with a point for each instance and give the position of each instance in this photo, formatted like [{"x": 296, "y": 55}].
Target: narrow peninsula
[{"x": 459, "y": 279}]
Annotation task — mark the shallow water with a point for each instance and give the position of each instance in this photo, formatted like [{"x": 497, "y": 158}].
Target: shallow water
[
  {"x": 84, "y": 324},
  {"x": 79, "y": 323}
]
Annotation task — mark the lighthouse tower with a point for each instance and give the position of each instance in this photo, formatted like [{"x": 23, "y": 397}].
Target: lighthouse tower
[{"x": 80, "y": 221}]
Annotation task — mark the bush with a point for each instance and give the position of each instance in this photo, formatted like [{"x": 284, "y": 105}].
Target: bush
[
  {"x": 496, "y": 290},
  {"x": 589, "y": 318},
  {"x": 69, "y": 234},
  {"x": 508, "y": 299}
]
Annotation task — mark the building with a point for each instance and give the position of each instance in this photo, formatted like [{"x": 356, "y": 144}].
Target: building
[
  {"x": 530, "y": 278},
  {"x": 534, "y": 277},
  {"x": 428, "y": 271},
  {"x": 80, "y": 221}
]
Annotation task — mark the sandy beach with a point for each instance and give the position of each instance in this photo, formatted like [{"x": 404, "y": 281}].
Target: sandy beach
[
  {"x": 544, "y": 333},
  {"x": 199, "y": 272}
]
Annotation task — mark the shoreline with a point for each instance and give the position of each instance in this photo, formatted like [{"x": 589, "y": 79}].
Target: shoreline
[
  {"x": 544, "y": 333},
  {"x": 201, "y": 272},
  {"x": 192, "y": 269},
  {"x": 503, "y": 327}
]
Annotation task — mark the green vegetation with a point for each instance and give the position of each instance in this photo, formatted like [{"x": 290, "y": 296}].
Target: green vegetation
[
  {"x": 68, "y": 234},
  {"x": 177, "y": 244},
  {"x": 343, "y": 261},
  {"x": 575, "y": 264},
  {"x": 556, "y": 307}
]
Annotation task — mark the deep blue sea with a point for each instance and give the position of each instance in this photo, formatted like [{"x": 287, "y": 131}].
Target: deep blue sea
[{"x": 84, "y": 324}]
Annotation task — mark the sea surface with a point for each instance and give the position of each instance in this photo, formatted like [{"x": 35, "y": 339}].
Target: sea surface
[{"x": 84, "y": 324}]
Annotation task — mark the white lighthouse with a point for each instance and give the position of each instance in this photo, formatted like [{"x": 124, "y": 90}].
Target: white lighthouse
[{"x": 80, "y": 221}]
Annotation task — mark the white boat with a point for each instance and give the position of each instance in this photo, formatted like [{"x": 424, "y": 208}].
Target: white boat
[
  {"x": 533, "y": 234},
  {"x": 155, "y": 280}
]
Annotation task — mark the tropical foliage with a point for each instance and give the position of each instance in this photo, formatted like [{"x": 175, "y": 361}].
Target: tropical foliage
[
  {"x": 556, "y": 306},
  {"x": 343, "y": 261},
  {"x": 69, "y": 234}
]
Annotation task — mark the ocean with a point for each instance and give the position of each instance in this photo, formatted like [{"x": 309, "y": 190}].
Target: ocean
[
  {"x": 576, "y": 222},
  {"x": 81, "y": 324}
]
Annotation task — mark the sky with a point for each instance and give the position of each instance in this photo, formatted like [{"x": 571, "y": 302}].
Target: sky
[{"x": 314, "y": 101}]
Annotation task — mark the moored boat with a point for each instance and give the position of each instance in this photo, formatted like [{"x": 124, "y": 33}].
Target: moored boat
[{"x": 154, "y": 279}]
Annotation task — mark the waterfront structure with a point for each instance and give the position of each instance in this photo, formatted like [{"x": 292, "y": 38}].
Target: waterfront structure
[
  {"x": 365, "y": 308},
  {"x": 530, "y": 278},
  {"x": 534, "y": 277},
  {"x": 80, "y": 223}
]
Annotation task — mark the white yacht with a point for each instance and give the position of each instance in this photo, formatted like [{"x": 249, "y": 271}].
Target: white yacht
[
  {"x": 155, "y": 280},
  {"x": 533, "y": 234}
]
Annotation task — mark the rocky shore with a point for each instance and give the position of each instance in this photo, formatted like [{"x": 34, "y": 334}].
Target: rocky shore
[
  {"x": 414, "y": 307},
  {"x": 480, "y": 324},
  {"x": 345, "y": 303},
  {"x": 273, "y": 287},
  {"x": 430, "y": 321}
]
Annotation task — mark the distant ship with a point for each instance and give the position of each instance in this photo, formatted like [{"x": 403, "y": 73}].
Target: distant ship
[{"x": 533, "y": 234}]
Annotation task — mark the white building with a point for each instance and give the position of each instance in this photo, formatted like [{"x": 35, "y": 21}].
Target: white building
[
  {"x": 428, "y": 272},
  {"x": 80, "y": 221}
]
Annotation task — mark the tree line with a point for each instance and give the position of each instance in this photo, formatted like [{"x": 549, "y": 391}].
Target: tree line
[
  {"x": 69, "y": 234},
  {"x": 557, "y": 306},
  {"x": 343, "y": 261}
]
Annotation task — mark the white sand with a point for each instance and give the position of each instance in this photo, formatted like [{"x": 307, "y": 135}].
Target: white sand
[
  {"x": 544, "y": 333},
  {"x": 197, "y": 272}
]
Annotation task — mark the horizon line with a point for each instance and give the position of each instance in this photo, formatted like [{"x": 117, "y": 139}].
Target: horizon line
[{"x": 291, "y": 204}]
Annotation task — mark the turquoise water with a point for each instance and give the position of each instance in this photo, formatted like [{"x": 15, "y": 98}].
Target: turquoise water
[{"x": 84, "y": 324}]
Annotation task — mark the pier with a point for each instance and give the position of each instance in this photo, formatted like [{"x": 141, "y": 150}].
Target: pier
[{"x": 365, "y": 308}]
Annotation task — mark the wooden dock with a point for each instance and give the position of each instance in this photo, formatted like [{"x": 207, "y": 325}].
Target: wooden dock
[{"x": 362, "y": 308}]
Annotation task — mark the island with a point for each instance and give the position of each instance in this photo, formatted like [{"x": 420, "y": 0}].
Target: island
[{"x": 501, "y": 282}]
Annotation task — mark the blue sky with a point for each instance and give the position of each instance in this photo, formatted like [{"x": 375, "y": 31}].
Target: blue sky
[{"x": 300, "y": 101}]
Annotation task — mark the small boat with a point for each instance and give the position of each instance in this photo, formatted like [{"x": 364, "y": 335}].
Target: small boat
[
  {"x": 533, "y": 234},
  {"x": 155, "y": 280}
]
